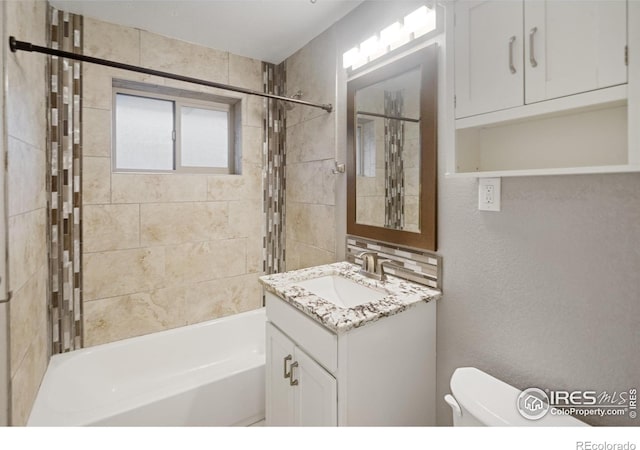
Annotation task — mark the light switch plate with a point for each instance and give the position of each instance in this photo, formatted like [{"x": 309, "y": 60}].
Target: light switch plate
[{"x": 489, "y": 194}]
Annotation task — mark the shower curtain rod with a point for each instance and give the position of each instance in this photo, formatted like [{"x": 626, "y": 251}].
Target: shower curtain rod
[
  {"x": 385, "y": 116},
  {"x": 16, "y": 45}
]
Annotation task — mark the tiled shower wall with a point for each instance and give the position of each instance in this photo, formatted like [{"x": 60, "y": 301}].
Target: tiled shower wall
[
  {"x": 27, "y": 212},
  {"x": 166, "y": 250},
  {"x": 311, "y": 199}
]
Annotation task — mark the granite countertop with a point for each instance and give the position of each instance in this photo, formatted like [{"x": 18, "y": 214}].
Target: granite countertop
[{"x": 402, "y": 294}]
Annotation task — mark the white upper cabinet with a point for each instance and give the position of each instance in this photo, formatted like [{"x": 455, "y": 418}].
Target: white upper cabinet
[
  {"x": 488, "y": 57},
  {"x": 511, "y": 53},
  {"x": 573, "y": 47},
  {"x": 542, "y": 87}
]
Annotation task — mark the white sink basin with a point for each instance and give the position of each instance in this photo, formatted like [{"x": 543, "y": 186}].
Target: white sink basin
[{"x": 341, "y": 291}]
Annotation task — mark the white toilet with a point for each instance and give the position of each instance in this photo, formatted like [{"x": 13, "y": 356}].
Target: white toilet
[{"x": 481, "y": 400}]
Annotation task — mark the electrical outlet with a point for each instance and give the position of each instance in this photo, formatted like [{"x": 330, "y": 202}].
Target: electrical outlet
[{"x": 489, "y": 194}]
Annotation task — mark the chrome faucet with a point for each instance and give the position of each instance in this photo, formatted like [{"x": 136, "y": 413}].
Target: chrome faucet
[
  {"x": 373, "y": 267},
  {"x": 369, "y": 264}
]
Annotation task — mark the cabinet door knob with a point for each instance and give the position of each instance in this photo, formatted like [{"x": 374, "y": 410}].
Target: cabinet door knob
[
  {"x": 532, "y": 57},
  {"x": 293, "y": 382},
  {"x": 512, "y": 68},
  {"x": 286, "y": 373}
]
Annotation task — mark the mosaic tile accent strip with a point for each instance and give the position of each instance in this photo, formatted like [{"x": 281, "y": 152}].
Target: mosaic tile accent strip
[
  {"x": 64, "y": 148},
  {"x": 393, "y": 161},
  {"x": 413, "y": 264},
  {"x": 273, "y": 172}
]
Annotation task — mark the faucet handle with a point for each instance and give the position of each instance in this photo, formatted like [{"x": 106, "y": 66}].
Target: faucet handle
[{"x": 386, "y": 262}]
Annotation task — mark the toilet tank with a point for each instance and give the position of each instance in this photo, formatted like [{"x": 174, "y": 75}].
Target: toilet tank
[{"x": 482, "y": 400}]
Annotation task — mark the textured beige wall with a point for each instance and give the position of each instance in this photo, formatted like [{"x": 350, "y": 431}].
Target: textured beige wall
[
  {"x": 166, "y": 250},
  {"x": 26, "y": 128},
  {"x": 544, "y": 293}
]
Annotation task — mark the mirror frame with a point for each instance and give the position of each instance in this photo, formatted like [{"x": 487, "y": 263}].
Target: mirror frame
[{"x": 427, "y": 60}]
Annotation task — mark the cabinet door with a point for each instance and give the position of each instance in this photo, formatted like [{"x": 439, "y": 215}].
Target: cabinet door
[
  {"x": 280, "y": 397},
  {"x": 573, "y": 47},
  {"x": 488, "y": 56},
  {"x": 316, "y": 393}
]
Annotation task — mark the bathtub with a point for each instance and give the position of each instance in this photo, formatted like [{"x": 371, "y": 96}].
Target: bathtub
[{"x": 207, "y": 374}]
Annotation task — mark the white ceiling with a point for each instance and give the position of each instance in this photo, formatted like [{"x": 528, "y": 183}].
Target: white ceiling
[{"x": 268, "y": 30}]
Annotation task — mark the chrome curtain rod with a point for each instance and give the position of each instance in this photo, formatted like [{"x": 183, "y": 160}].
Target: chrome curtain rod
[
  {"x": 16, "y": 45},
  {"x": 385, "y": 116}
]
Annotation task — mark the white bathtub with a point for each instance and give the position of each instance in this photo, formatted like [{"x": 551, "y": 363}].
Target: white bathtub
[{"x": 207, "y": 374}]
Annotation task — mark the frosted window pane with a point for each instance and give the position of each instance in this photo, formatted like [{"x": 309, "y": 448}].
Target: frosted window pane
[
  {"x": 205, "y": 137},
  {"x": 144, "y": 133}
]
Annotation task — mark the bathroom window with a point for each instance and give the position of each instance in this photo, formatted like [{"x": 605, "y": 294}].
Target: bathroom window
[
  {"x": 366, "y": 148},
  {"x": 160, "y": 129}
]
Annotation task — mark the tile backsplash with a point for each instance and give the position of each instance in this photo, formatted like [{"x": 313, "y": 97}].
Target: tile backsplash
[{"x": 417, "y": 265}]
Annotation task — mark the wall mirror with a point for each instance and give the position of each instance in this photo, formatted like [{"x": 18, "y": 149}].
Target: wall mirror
[{"x": 392, "y": 152}]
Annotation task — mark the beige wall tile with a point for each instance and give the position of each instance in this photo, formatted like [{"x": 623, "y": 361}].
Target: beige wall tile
[
  {"x": 245, "y": 72},
  {"x": 245, "y": 219},
  {"x": 25, "y": 106},
  {"x": 110, "y": 227},
  {"x": 213, "y": 299},
  {"x": 178, "y": 223},
  {"x": 97, "y": 84},
  {"x": 411, "y": 153},
  {"x": 255, "y": 254},
  {"x": 252, "y": 141},
  {"x": 189, "y": 263},
  {"x": 28, "y": 315},
  {"x": 300, "y": 256},
  {"x": 311, "y": 140},
  {"x": 295, "y": 142},
  {"x": 318, "y": 138},
  {"x": 26, "y": 99},
  {"x": 27, "y": 378},
  {"x": 367, "y": 186},
  {"x": 96, "y": 180},
  {"x": 27, "y": 246},
  {"x": 236, "y": 187},
  {"x": 156, "y": 188},
  {"x": 253, "y": 111},
  {"x": 171, "y": 55},
  {"x": 411, "y": 182},
  {"x": 25, "y": 177},
  {"x": 312, "y": 225},
  {"x": 111, "y": 41},
  {"x": 370, "y": 211},
  {"x": 116, "y": 318},
  {"x": 311, "y": 182},
  {"x": 96, "y": 137},
  {"x": 312, "y": 69},
  {"x": 121, "y": 272}
]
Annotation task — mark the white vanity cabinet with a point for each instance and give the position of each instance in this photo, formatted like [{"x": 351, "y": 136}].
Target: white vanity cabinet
[
  {"x": 380, "y": 374},
  {"x": 301, "y": 392},
  {"x": 511, "y": 53}
]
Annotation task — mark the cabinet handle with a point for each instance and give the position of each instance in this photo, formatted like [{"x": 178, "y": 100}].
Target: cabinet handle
[
  {"x": 287, "y": 358},
  {"x": 293, "y": 382},
  {"x": 512, "y": 68},
  {"x": 532, "y": 57}
]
